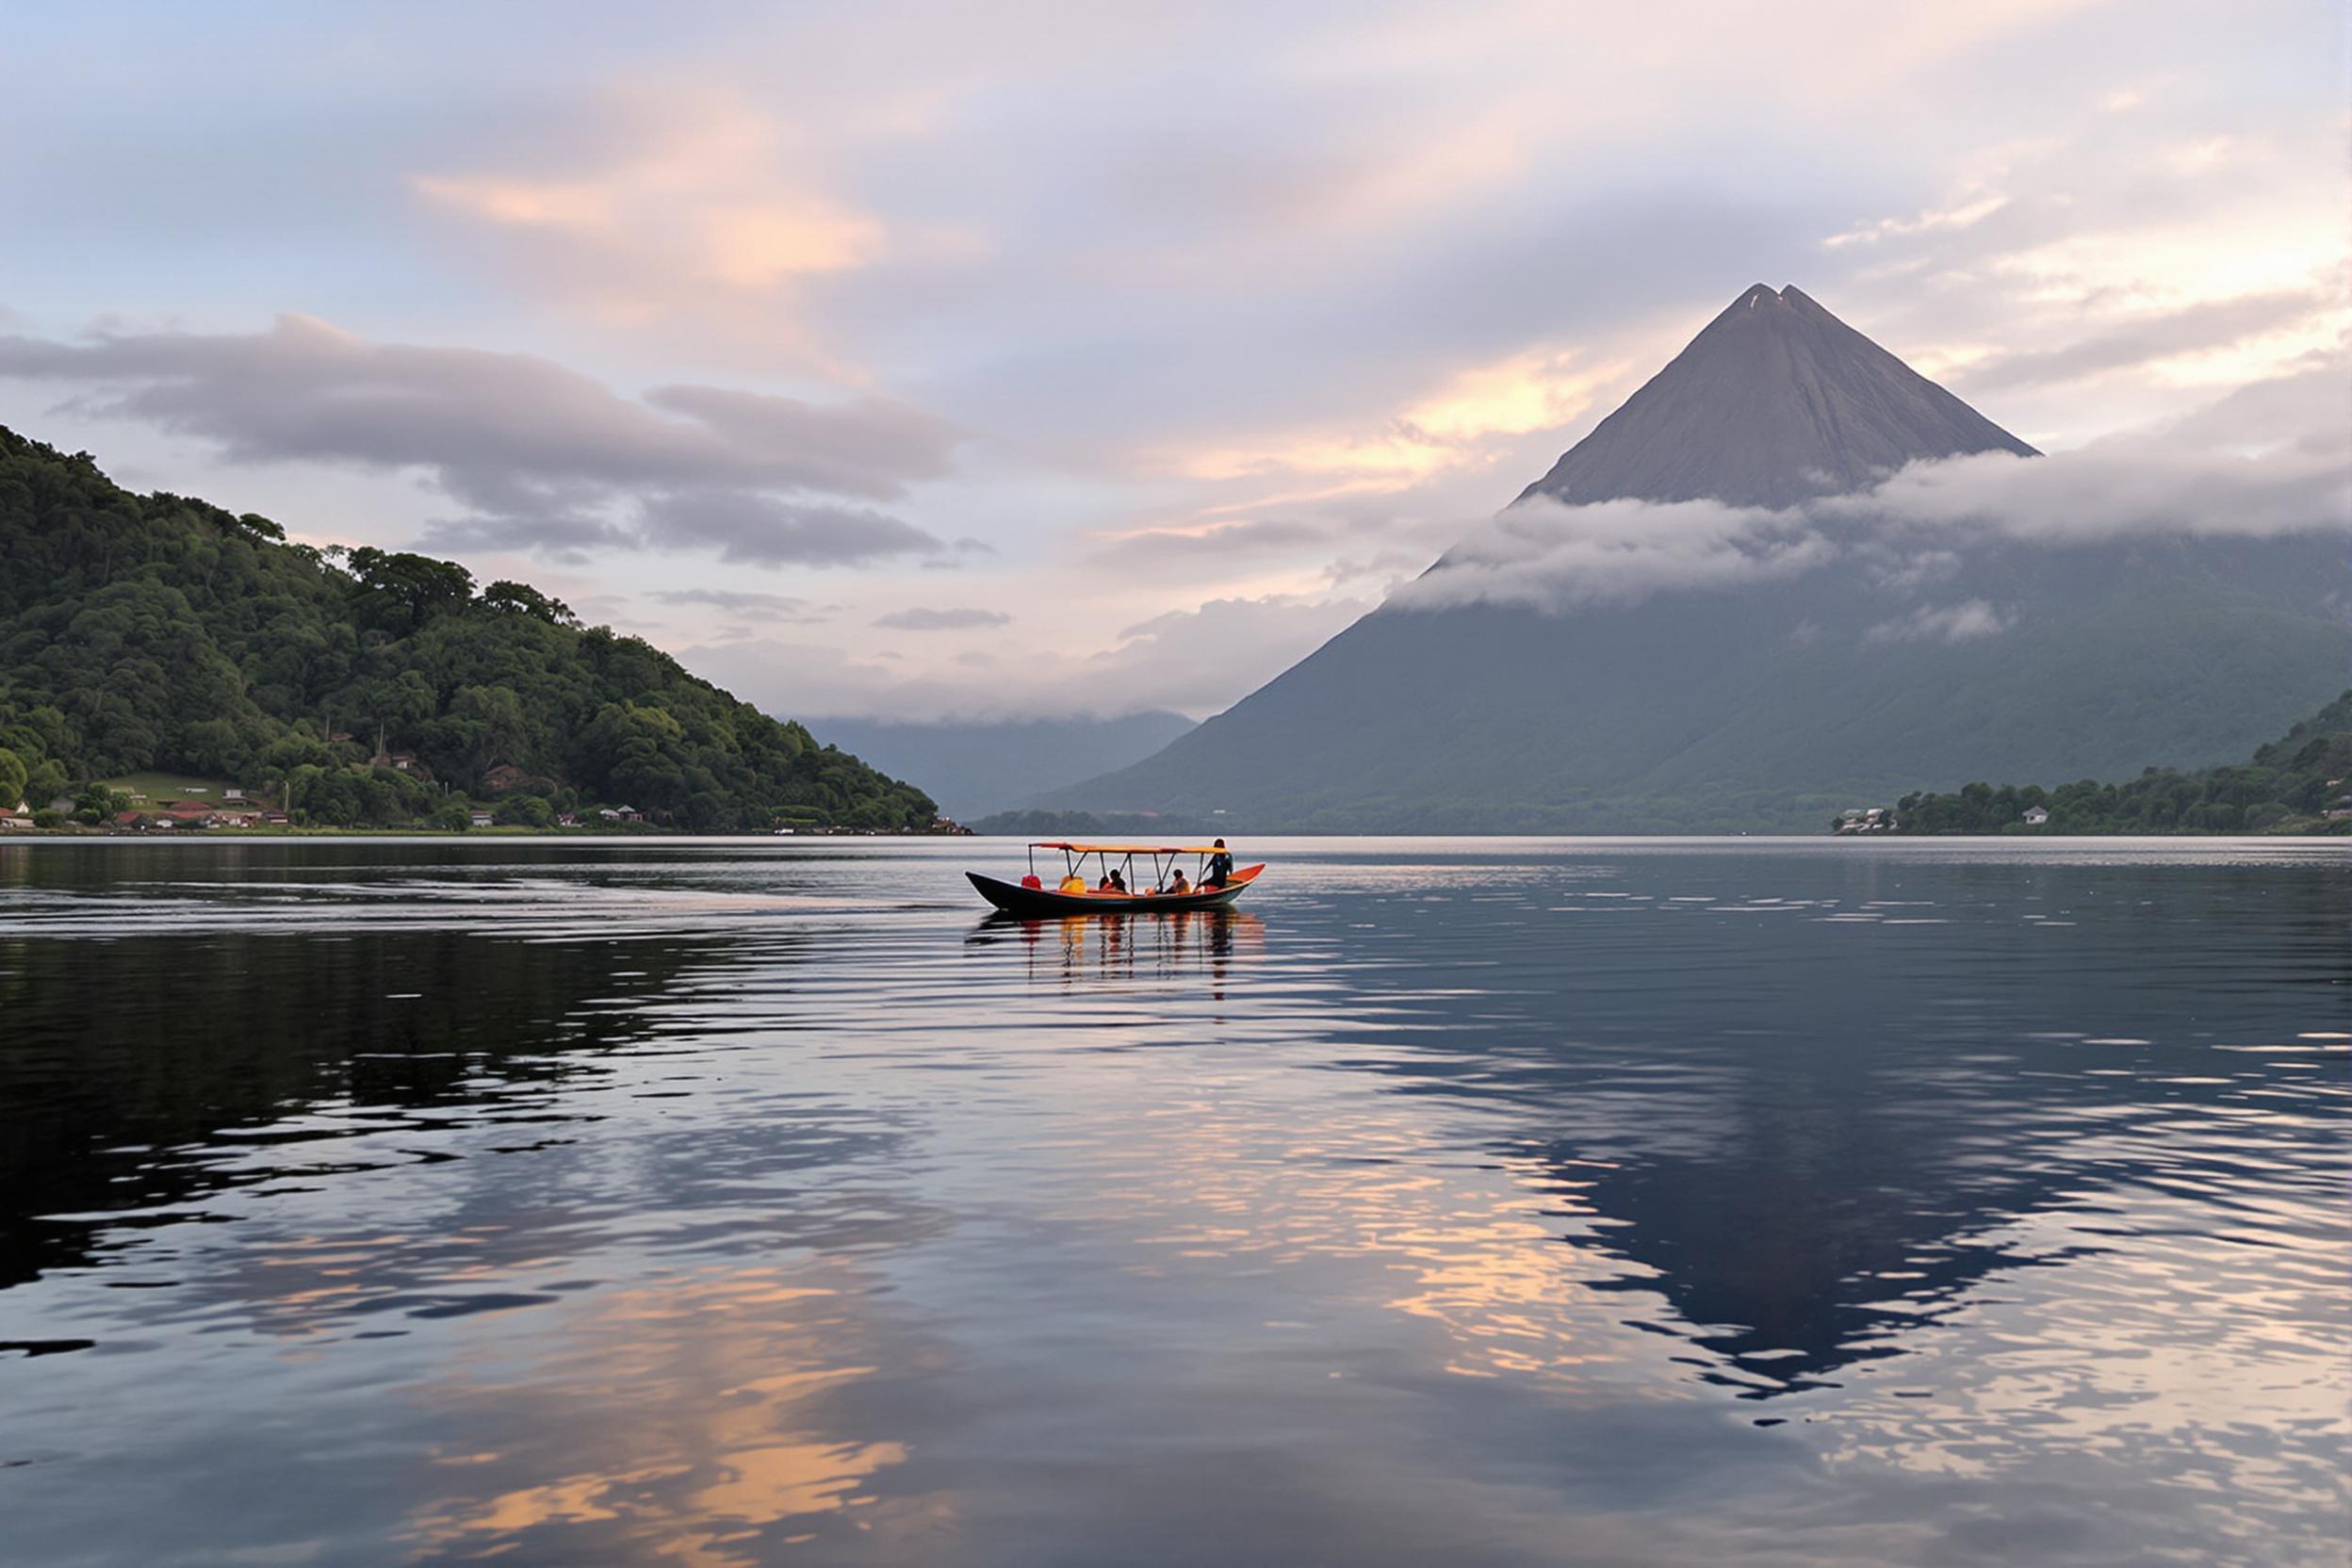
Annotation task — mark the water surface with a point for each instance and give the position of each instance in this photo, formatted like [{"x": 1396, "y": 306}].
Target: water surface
[{"x": 1476, "y": 1201}]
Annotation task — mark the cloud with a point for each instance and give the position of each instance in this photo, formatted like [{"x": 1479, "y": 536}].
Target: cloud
[
  {"x": 1552, "y": 557},
  {"x": 942, "y": 620},
  {"x": 679, "y": 208},
  {"x": 1964, "y": 214},
  {"x": 871, "y": 447},
  {"x": 2203, "y": 475},
  {"x": 1306, "y": 546},
  {"x": 745, "y": 243},
  {"x": 1966, "y": 621},
  {"x": 554, "y": 535},
  {"x": 1389, "y": 566},
  {"x": 1459, "y": 422},
  {"x": 1215, "y": 541},
  {"x": 769, "y": 531},
  {"x": 1204, "y": 660},
  {"x": 547, "y": 459},
  {"x": 2269, "y": 460},
  {"x": 745, "y": 605},
  {"x": 1907, "y": 572},
  {"x": 2310, "y": 406},
  {"x": 2158, "y": 336}
]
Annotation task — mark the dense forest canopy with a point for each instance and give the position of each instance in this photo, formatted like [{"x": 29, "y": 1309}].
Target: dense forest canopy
[
  {"x": 2290, "y": 785},
  {"x": 162, "y": 632}
]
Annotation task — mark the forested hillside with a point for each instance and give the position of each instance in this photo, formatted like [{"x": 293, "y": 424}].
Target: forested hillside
[
  {"x": 2289, "y": 785},
  {"x": 161, "y": 632}
]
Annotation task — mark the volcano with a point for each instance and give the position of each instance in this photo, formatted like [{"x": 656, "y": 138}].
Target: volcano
[
  {"x": 1772, "y": 702},
  {"x": 1776, "y": 401}
]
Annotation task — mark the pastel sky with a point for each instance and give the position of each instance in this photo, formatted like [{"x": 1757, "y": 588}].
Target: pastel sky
[{"x": 1005, "y": 358}]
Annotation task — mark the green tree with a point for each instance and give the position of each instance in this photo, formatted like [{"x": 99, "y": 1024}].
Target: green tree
[
  {"x": 525, "y": 812},
  {"x": 46, "y": 782},
  {"x": 97, "y": 803},
  {"x": 521, "y": 599},
  {"x": 400, "y": 592}
]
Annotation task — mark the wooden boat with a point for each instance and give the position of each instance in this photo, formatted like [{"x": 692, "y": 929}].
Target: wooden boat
[{"x": 1031, "y": 898}]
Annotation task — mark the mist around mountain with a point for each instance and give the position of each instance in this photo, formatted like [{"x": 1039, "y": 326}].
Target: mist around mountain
[
  {"x": 371, "y": 686},
  {"x": 976, "y": 769},
  {"x": 1699, "y": 622}
]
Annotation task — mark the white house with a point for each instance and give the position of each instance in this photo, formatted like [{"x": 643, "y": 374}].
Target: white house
[{"x": 2036, "y": 816}]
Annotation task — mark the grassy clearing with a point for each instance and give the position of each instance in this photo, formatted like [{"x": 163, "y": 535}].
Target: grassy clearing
[{"x": 161, "y": 787}]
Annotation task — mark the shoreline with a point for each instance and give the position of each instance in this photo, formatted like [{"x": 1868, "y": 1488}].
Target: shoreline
[{"x": 2322, "y": 833}]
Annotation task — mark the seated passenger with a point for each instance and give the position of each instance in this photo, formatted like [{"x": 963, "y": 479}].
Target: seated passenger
[
  {"x": 1177, "y": 884},
  {"x": 1118, "y": 881}
]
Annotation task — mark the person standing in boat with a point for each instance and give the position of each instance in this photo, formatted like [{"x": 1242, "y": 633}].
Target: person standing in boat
[{"x": 1220, "y": 868}]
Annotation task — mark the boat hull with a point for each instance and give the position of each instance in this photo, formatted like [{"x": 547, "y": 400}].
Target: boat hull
[{"x": 1045, "y": 904}]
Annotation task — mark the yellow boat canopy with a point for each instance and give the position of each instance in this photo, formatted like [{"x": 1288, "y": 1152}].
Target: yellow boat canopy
[{"x": 1126, "y": 849}]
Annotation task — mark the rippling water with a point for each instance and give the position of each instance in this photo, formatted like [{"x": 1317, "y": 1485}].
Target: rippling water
[{"x": 1543, "y": 1201}]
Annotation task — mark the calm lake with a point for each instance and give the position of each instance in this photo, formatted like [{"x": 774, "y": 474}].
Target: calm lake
[{"x": 718, "y": 1203}]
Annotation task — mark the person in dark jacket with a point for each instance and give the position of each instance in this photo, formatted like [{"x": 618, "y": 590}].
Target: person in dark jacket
[{"x": 1220, "y": 868}]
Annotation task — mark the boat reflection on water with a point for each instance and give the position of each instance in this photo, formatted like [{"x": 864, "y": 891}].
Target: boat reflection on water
[{"x": 1077, "y": 948}]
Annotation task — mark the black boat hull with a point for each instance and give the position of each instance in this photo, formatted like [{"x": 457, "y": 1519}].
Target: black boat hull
[{"x": 1045, "y": 904}]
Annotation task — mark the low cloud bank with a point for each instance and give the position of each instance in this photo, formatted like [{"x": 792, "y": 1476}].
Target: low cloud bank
[
  {"x": 543, "y": 458},
  {"x": 2270, "y": 461},
  {"x": 1552, "y": 557}
]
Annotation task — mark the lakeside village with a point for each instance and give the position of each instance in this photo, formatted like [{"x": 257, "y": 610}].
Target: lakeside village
[{"x": 518, "y": 802}]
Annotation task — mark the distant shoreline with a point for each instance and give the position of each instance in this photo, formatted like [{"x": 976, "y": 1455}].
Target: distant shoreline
[
  {"x": 610, "y": 835},
  {"x": 502, "y": 831}
]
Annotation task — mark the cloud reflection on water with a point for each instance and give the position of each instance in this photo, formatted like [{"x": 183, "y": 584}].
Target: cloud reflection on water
[{"x": 684, "y": 1420}]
